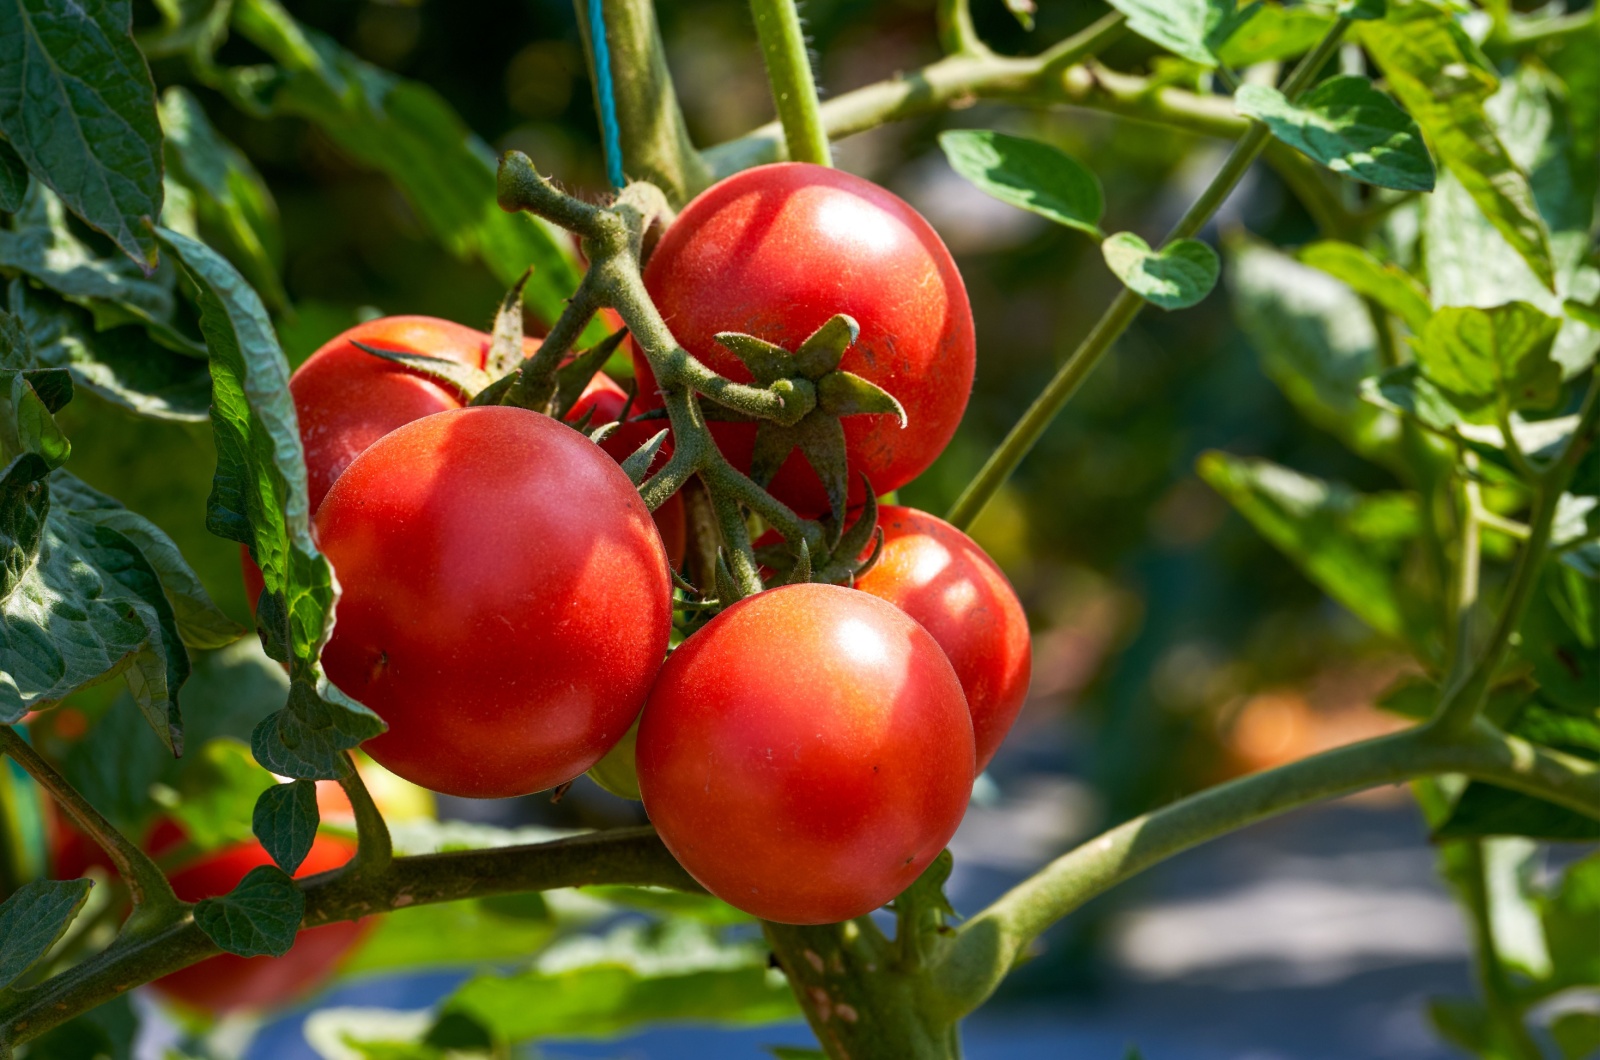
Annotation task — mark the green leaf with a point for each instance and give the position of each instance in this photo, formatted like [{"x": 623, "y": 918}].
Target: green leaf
[
  {"x": 1349, "y": 126},
  {"x": 1444, "y": 88},
  {"x": 257, "y": 918},
  {"x": 33, "y": 919},
  {"x": 1486, "y": 810},
  {"x": 79, "y": 603},
  {"x": 406, "y": 131},
  {"x": 1175, "y": 277},
  {"x": 1384, "y": 282},
  {"x": 259, "y": 498},
  {"x": 600, "y": 987},
  {"x": 1350, "y": 544},
  {"x": 285, "y": 820},
  {"x": 1029, "y": 175},
  {"x": 13, "y": 178},
  {"x": 234, "y": 206},
  {"x": 42, "y": 246},
  {"x": 1315, "y": 341},
  {"x": 1489, "y": 359},
  {"x": 123, "y": 364},
  {"x": 78, "y": 106},
  {"x": 1193, "y": 29},
  {"x": 1274, "y": 33}
]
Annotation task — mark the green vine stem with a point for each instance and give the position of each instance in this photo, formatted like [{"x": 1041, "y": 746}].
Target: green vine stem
[
  {"x": 989, "y": 944},
  {"x": 794, "y": 89},
  {"x": 153, "y": 899},
  {"x": 612, "y": 238},
  {"x": 957, "y": 34},
  {"x": 374, "y": 849},
  {"x": 1126, "y": 305},
  {"x": 620, "y": 856},
  {"x": 1498, "y": 995},
  {"x": 1464, "y": 698},
  {"x": 658, "y": 146}
]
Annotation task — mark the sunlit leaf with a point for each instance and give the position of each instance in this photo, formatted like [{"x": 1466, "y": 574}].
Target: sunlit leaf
[
  {"x": 1027, "y": 174},
  {"x": 1349, "y": 126},
  {"x": 1175, "y": 277}
]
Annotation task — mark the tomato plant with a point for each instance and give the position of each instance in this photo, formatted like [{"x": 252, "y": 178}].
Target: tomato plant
[{"x": 703, "y": 568}]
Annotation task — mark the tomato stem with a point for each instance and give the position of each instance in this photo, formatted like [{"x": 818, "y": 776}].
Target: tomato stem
[
  {"x": 153, "y": 898},
  {"x": 1125, "y": 306},
  {"x": 794, "y": 89}
]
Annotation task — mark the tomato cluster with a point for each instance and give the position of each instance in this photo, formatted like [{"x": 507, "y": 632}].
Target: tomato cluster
[{"x": 507, "y": 601}]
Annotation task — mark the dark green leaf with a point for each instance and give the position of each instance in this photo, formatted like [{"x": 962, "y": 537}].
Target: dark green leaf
[
  {"x": 13, "y": 178},
  {"x": 1027, "y": 174},
  {"x": 1349, "y": 543},
  {"x": 80, "y": 604},
  {"x": 1314, "y": 339},
  {"x": 637, "y": 465},
  {"x": 1350, "y": 127},
  {"x": 597, "y": 988},
  {"x": 235, "y": 208},
  {"x": 1561, "y": 639},
  {"x": 257, "y": 918},
  {"x": 466, "y": 379},
  {"x": 1175, "y": 277},
  {"x": 77, "y": 104},
  {"x": 1385, "y": 283},
  {"x": 1193, "y": 29},
  {"x": 285, "y": 820},
  {"x": 405, "y": 130},
  {"x": 259, "y": 498},
  {"x": 1274, "y": 33},
  {"x": 1444, "y": 88},
  {"x": 31, "y": 921},
  {"x": 42, "y": 246},
  {"x": 123, "y": 364},
  {"x": 1487, "y": 810},
  {"x": 1491, "y": 359}
]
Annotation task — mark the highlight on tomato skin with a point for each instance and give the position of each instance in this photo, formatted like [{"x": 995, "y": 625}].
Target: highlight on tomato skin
[
  {"x": 808, "y": 725},
  {"x": 777, "y": 250},
  {"x": 506, "y": 626}
]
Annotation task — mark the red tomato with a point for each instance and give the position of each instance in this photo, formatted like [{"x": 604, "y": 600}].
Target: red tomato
[
  {"x": 227, "y": 982},
  {"x": 506, "y": 600},
  {"x": 940, "y": 577},
  {"x": 346, "y": 399},
  {"x": 774, "y": 252},
  {"x": 806, "y": 754}
]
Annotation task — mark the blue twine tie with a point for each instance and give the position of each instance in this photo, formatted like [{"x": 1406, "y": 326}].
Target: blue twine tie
[{"x": 610, "y": 131}]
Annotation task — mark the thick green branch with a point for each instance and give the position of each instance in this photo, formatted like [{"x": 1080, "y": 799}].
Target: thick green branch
[
  {"x": 794, "y": 90},
  {"x": 990, "y": 943},
  {"x": 621, "y": 856}
]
